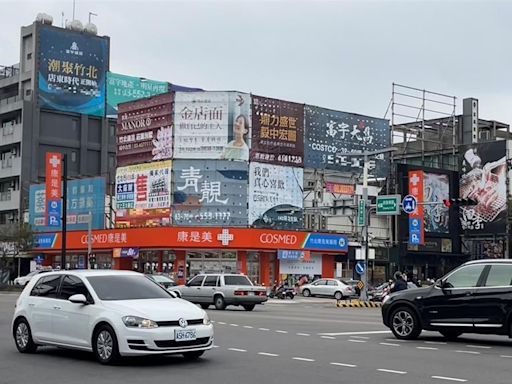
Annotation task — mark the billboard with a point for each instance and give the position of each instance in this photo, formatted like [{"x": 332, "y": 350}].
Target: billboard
[
  {"x": 122, "y": 88},
  {"x": 275, "y": 196},
  {"x": 278, "y": 132},
  {"x": 436, "y": 188},
  {"x": 84, "y": 196},
  {"x": 144, "y": 130},
  {"x": 133, "y": 218},
  {"x": 72, "y": 71},
  {"x": 144, "y": 186},
  {"x": 483, "y": 178},
  {"x": 212, "y": 125},
  {"x": 210, "y": 192},
  {"x": 330, "y": 135}
]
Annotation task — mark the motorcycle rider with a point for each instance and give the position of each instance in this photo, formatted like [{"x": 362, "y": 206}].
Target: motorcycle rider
[{"x": 400, "y": 284}]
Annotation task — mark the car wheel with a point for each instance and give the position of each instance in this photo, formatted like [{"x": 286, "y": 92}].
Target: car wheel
[
  {"x": 450, "y": 334},
  {"x": 23, "y": 337},
  {"x": 338, "y": 295},
  {"x": 249, "y": 307},
  {"x": 404, "y": 324},
  {"x": 306, "y": 293},
  {"x": 193, "y": 355},
  {"x": 205, "y": 306},
  {"x": 105, "y": 345},
  {"x": 220, "y": 304}
]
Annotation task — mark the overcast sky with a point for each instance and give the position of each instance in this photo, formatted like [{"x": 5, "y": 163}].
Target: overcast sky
[{"x": 338, "y": 54}]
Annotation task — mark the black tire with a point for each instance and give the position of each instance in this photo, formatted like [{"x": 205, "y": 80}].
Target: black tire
[
  {"x": 338, "y": 295},
  {"x": 23, "y": 337},
  {"x": 105, "y": 346},
  {"x": 193, "y": 355},
  {"x": 249, "y": 307},
  {"x": 306, "y": 293},
  {"x": 291, "y": 296},
  {"x": 205, "y": 306},
  {"x": 450, "y": 334},
  {"x": 404, "y": 324},
  {"x": 220, "y": 304}
]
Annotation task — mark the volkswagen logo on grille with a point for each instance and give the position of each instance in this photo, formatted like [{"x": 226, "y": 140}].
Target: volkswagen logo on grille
[{"x": 183, "y": 323}]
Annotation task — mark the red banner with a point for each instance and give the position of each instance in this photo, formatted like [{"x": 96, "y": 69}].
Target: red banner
[
  {"x": 340, "y": 189},
  {"x": 53, "y": 176}
]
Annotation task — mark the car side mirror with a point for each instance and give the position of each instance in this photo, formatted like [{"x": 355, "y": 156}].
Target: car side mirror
[
  {"x": 439, "y": 283},
  {"x": 78, "y": 299}
]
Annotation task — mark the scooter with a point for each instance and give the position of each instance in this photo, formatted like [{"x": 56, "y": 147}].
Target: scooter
[{"x": 282, "y": 293}]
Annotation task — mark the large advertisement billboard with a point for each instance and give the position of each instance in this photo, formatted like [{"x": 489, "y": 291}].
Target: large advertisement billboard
[
  {"x": 144, "y": 130},
  {"x": 436, "y": 188},
  {"x": 84, "y": 196},
  {"x": 144, "y": 186},
  {"x": 72, "y": 71},
  {"x": 278, "y": 132},
  {"x": 210, "y": 192},
  {"x": 134, "y": 218},
  {"x": 275, "y": 196},
  {"x": 212, "y": 125},
  {"x": 332, "y": 135},
  {"x": 122, "y": 88},
  {"x": 483, "y": 170}
]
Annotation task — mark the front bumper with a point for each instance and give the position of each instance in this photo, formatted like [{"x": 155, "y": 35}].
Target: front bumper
[{"x": 160, "y": 341}]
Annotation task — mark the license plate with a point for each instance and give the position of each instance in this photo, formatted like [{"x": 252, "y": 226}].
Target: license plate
[
  {"x": 251, "y": 293},
  {"x": 184, "y": 334}
]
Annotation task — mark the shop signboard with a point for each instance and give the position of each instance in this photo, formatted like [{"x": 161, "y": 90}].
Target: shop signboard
[
  {"x": 436, "y": 188},
  {"x": 144, "y": 186},
  {"x": 332, "y": 135},
  {"x": 212, "y": 125},
  {"x": 72, "y": 71},
  {"x": 340, "y": 189},
  {"x": 84, "y": 196},
  {"x": 416, "y": 217},
  {"x": 278, "y": 132},
  {"x": 483, "y": 170},
  {"x": 275, "y": 196},
  {"x": 144, "y": 130},
  {"x": 134, "y": 218},
  {"x": 284, "y": 254},
  {"x": 210, "y": 192},
  {"x": 310, "y": 267},
  {"x": 122, "y": 88}
]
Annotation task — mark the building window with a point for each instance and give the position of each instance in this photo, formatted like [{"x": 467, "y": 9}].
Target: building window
[
  {"x": 29, "y": 56},
  {"x": 73, "y": 156}
]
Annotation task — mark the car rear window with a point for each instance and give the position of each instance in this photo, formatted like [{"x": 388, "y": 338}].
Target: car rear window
[
  {"x": 126, "y": 288},
  {"x": 236, "y": 280}
]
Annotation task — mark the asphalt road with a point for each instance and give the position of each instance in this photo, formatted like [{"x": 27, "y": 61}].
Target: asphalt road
[{"x": 304, "y": 341}]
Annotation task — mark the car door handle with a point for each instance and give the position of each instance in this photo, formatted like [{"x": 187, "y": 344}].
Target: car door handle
[
  {"x": 56, "y": 307},
  {"x": 469, "y": 293}
]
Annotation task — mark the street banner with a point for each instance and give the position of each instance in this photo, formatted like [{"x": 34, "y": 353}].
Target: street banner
[
  {"x": 53, "y": 189},
  {"x": 416, "y": 218}
]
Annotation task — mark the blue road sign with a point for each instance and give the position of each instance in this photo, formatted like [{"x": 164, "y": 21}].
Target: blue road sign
[
  {"x": 54, "y": 213},
  {"x": 409, "y": 204},
  {"x": 360, "y": 268},
  {"x": 415, "y": 231}
]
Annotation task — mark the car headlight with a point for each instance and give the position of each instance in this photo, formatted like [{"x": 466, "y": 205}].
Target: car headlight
[
  {"x": 139, "y": 322},
  {"x": 206, "y": 319}
]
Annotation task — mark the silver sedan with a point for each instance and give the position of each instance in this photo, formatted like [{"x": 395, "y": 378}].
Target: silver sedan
[{"x": 328, "y": 287}]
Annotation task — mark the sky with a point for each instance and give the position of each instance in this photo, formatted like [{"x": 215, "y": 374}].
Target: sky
[{"x": 343, "y": 55}]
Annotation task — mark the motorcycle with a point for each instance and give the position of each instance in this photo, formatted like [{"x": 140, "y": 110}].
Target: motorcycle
[{"x": 282, "y": 293}]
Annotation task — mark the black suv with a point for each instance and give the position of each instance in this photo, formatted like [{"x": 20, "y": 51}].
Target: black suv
[{"x": 473, "y": 298}]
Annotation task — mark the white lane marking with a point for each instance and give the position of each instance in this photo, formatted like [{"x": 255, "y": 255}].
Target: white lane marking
[
  {"x": 344, "y": 365},
  {"x": 248, "y": 327},
  {"x": 328, "y": 337},
  {"x": 478, "y": 346},
  {"x": 279, "y": 331},
  {"x": 302, "y": 359},
  {"x": 264, "y": 329},
  {"x": 390, "y": 344},
  {"x": 436, "y": 342},
  {"x": 506, "y": 356},
  {"x": 362, "y": 337},
  {"x": 357, "y": 341},
  {"x": 392, "y": 371},
  {"x": 354, "y": 333},
  {"x": 268, "y": 354},
  {"x": 397, "y": 340},
  {"x": 303, "y": 334},
  {"x": 211, "y": 321},
  {"x": 216, "y": 346},
  {"x": 234, "y": 325},
  {"x": 221, "y": 322},
  {"x": 237, "y": 350},
  {"x": 428, "y": 348},
  {"x": 449, "y": 378},
  {"x": 468, "y": 352}
]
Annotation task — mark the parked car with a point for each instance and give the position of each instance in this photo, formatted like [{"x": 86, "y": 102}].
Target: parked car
[
  {"x": 110, "y": 313},
  {"x": 328, "y": 287},
  {"x": 473, "y": 298},
  {"x": 23, "y": 280},
  {"x": 222, "y": 290},
  {"x": 163, "y": 280}
]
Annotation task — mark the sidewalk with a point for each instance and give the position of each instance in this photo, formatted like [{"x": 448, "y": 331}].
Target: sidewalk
[{"x": 302, "y": 300}]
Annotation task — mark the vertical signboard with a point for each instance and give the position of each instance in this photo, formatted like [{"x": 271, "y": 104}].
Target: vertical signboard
[
  {"x": 331, "y": 135},
  {"x": 122, "y": 88},
  {"x": 416, "y": 218},
  {"x": 275, "y": 196},
  {"x": 212, "y": 125},
  {"x": 208, "y": 192},
  {"x": 53, "y": 188},
  {"x": 72, "y": 70},
  {"x": 484, "y": 180},
  {"x": 436, "y": 188},
  {"x": 278, "y": 132},
  {"x": 144, "y": 130}
]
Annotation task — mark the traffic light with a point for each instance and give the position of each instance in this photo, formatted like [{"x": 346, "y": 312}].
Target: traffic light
[{"x": 458, "y": 202}]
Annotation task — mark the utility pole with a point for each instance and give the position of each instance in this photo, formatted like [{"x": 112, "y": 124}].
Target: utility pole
[
  {"x": 89, "y": 241},
  {"x": 64, "y": 209}
]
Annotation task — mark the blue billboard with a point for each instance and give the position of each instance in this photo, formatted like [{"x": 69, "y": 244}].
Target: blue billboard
[
  {"x": 84, "y": 196},
  {"x": 72, "y": 71}
]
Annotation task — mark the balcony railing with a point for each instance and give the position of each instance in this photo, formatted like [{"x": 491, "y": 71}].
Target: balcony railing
[{"x": 6, "y": 72}]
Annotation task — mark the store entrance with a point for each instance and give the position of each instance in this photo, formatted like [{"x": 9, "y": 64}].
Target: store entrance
[{"x": 211, "y": 261}]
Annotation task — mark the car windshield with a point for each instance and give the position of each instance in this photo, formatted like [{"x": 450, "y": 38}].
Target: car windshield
[
  {"x": 126, "y": 288},
  {"x": 162, "y": 279},
  {"x": 236, "y": 280}
]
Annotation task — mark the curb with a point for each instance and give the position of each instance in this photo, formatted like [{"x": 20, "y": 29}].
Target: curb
[{"x": 358, "y": 304}]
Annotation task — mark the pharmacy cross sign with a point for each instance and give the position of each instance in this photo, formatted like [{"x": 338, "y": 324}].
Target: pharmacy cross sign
[
  {"x": 54, "y": 161},
  {"x": 225, "y": 237}
]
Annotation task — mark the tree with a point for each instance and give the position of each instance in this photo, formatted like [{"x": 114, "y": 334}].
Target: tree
[{"x": 15, "y": 239}]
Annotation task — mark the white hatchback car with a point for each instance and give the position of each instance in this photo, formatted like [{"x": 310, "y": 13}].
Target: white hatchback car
[
  {"x": 328, "y": 287},
  {"x": 111, "y": 313}
]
